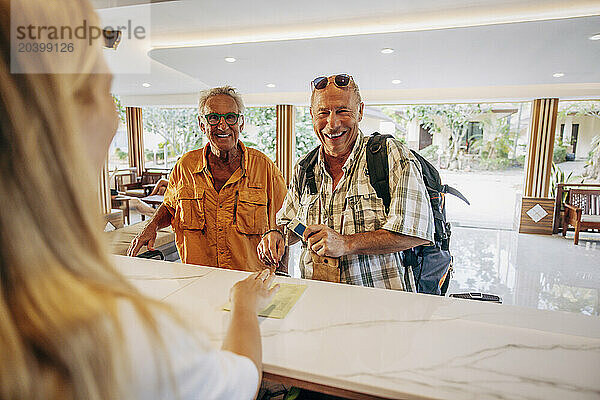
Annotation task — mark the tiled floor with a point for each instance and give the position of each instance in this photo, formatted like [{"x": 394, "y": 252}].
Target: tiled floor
[{"x": 539, "y": 271}]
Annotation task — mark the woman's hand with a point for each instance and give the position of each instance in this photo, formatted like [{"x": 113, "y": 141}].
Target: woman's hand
[{"x": 255, "y": 292}]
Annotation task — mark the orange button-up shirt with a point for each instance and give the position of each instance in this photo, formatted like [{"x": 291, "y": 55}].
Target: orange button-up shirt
[{"x": 222, "y": 229}]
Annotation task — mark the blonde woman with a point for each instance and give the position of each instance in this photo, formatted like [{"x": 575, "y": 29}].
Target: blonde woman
[{"x": 70, "y": 326}]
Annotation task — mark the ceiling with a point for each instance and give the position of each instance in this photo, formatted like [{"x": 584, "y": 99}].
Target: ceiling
[{"x": 459, "y": 50}]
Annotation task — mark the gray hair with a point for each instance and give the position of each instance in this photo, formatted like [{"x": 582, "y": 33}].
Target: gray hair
[{"x": 226, "y": 90}]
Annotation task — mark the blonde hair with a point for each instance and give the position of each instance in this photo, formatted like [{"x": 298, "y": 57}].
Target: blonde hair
[{"x": 60, "y": 333}]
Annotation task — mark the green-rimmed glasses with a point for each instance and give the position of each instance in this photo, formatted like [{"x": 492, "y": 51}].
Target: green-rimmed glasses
[{"x": 231, "y": 118}]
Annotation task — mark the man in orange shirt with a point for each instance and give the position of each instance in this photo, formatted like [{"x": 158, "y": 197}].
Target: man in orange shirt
[{"x": 221, "y": 198}]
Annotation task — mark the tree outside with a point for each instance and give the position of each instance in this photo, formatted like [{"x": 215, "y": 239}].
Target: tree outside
[
  {"x": 478, "y": 149},
  {"x": 306, "y": 140},
  {"x": 168, "y": 134},
  {"x": 466, "y": 136},
  {"x": 118, "y": 157},
  {"x": 578, "y": 136},
  {"x": 171, "y": 132},
  {"x": 260, "y": 129}
]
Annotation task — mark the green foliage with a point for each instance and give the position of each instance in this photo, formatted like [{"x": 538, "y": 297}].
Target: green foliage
[
  {"x": 559, "y": 153},
  {"x": 121, "y": 155},
  {"x": 495, "y": 164},
  {"x": 430, "y": 152},
  {"x": 160, "y": 155},
  {"x": 264, "y": 119},
  {"x": 120, "y": 108},
  {"x": 178, "y": 126},
  {"x": 590, "y": 108},
  {"x": 559, "y": 176},
  {"x": 455, "y": 117},
  {"x": 306, "y": 139},
  {"x": 499, "y": 147},
  {"x": 401, "y": 120},
  {"x": 592, "y": 169}
]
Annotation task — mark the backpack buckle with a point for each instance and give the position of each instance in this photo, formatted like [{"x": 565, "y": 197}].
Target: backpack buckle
[{"x": 375, "y": 147}]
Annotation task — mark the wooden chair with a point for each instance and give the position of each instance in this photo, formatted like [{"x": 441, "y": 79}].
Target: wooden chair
[
  {"x": 124, "y": 177},
  {"x": 582, "y": 211},
  {"x": 562, "y": 193},
  {"x": 140, "y": 188}
]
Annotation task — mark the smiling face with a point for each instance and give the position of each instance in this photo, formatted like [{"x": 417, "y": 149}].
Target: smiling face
[
  {"x": 336, "y": 113},
  {"x": 222, "y": 137}
]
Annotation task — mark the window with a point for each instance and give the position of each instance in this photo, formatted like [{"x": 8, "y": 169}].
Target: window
[
  {"x": 118, "y": 157},
  {"x": 260, "y": 129},
  {"x": 168, "y": 134},
  {"x": 306, "y": 139}
]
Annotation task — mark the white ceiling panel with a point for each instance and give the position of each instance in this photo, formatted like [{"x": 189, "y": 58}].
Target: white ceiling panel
[
  {"x": 458, "y": 48},
  {"x": 526, "y": 53}
]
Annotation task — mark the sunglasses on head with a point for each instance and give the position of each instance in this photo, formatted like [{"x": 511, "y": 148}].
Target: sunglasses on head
[{"x": 340, "y": 80}]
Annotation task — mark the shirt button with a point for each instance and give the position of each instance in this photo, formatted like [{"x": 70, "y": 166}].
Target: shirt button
[{"x": 220, "y": 205}]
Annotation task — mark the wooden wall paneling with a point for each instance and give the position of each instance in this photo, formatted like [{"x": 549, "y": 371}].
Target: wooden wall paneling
[
  {"x": 543, "y": 226},
  {"x": 285, "y": 140},
  {"x": 541, "y": 145},
  {"x": 135, "y": 138},
  {"x": 538, "y": 168}
]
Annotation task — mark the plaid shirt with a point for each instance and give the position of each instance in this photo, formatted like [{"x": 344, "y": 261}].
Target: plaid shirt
[{"x": 354, "y": 207}]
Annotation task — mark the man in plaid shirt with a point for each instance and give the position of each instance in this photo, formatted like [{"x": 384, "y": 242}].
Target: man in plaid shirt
[{"x": 345, "y": 218}]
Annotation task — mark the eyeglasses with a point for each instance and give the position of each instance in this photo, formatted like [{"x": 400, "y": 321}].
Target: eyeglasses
[
  {"x": 340, "y": 80},
  {"x": 231, "y": 118}
]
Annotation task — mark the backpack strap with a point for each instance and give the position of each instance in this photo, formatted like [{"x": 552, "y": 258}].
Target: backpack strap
[
  {"x": 378, "y": 167},
  {"x": 306, "y": 172}
]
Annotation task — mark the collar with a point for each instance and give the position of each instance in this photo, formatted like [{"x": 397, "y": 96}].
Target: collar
[
  {"x": 356, "y": 149},
  {"x": 203, "y": 161}
]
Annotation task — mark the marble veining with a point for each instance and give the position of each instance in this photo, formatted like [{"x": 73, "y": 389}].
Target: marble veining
[
  {"x": 472, "y": 363},
  {"x": 359, "y": 324},
  {"x": 398, "y": 345},
  {"x": 162, "y": 278}
]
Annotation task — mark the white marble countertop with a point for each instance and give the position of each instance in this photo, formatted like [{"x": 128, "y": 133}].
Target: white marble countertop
[{"x": 394, "y": 344}]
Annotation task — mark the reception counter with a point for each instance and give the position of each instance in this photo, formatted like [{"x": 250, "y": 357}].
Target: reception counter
[{"x": 371, "y": 343}]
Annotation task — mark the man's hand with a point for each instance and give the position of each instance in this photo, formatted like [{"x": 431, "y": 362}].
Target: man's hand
[
  {"x": 271, "y": 248},
  {"x": 325, "y": 241},
  {"x": 145, "y": 237}
]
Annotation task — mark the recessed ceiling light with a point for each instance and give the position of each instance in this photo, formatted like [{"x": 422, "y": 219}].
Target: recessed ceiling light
[
  {"x": 387, "y": 50},
  {"x": 396, "y": 81},
  {"x": 230, "y": 59},
  {"x": 146, "y": 84},
  {"x": 595, "y": 37},
  {"x": 271, "y": 85},
  {"x": 558, "y": 75}
]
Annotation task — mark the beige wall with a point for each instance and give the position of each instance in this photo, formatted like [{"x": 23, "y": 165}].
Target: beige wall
[{"x": 588, "y": 128}]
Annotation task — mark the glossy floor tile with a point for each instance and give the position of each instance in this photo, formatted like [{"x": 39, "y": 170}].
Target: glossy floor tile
[{"x": 539, "y": 271}]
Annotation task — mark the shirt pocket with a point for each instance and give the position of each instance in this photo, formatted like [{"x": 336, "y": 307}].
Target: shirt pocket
[
  {"x": 190, "y": 209},
  {"x": 251, "y": 213},
  {"x": 367, "y": 210},
  {"x": 307, "y": 213}
]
